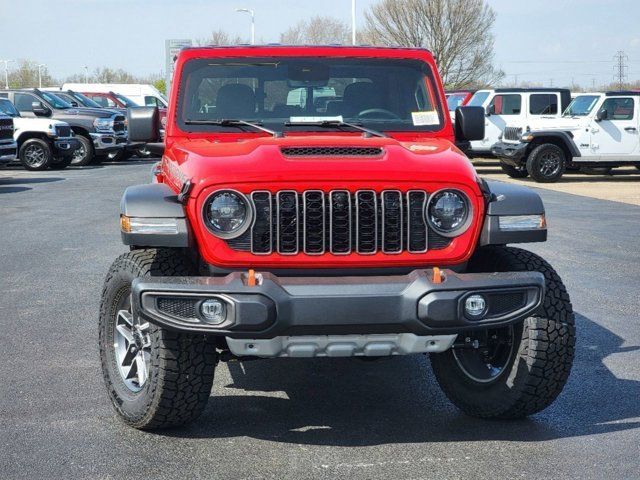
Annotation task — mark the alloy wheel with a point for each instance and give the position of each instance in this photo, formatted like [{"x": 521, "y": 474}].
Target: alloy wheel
[
  {"x": 35, "y": 156},
  {"x": 78, "y": 155},
  {"x": 132, "y": 345},
  {"x": 550, "y": 164}
]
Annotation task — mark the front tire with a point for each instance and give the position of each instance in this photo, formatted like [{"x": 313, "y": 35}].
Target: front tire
[
  {"x": 85, "y": 154},
  {"x": 514, "y": 172},
  {"x": 546, "y": 163},
  {"x": 35, "y": 154},
  {"x": 155, "y": 378},
  {"x": 529, "y": 362}
]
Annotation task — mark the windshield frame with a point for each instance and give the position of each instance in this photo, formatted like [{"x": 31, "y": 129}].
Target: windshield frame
[
  {"x": 432, "y": 88},
  {"x": 484, "y": 94},
  {"x": 596, "y": 99},
  {"x": 55, "y": 101}
]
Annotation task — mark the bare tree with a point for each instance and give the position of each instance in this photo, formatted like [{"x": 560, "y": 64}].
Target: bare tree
[
  {"x": 25, "y": 75},
  {"x": 317, "y": 30},
  {"x": 458, "y": 33},
  {"x": 220, "y": 37}
]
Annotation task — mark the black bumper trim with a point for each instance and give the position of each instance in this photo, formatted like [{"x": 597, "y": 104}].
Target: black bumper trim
[
  {"x": 510, "y": 153},
  {"x": 280, "y": 306}
]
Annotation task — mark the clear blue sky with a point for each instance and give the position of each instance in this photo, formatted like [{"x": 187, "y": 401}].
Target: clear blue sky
[{"x": 574, "y": 38}]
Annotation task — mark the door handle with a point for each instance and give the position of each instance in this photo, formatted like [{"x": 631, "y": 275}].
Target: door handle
[{"x": 631, "y": 129}]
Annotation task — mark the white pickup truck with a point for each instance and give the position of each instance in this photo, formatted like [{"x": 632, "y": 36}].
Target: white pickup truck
[
  {"x": 41, "y": 142},
  {"x": 597, "y": 130},
  {"x": 514, "y": 106}
]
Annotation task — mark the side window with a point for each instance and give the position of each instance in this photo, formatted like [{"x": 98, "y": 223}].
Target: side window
[
  {"x": 23, "y": 101},
  {"x": 151, "y": 102},
  {"x": 507, "y": 104},
  {"x": 543, "y": 104},
  {"x": 619, "y": 108}
]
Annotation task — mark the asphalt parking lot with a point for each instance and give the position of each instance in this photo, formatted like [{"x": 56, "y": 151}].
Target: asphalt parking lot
[{"x": 295, "y": 419}]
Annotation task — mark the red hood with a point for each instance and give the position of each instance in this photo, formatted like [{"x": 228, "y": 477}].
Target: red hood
[{"x": 260, "y": 160}]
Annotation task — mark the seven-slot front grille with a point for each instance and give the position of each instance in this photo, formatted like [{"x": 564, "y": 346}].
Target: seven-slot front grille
[
  {"x": 512, "y": 133},
  {"x": 339, "y": 222}
]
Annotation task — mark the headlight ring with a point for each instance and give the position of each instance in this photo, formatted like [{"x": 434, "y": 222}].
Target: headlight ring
[
  {"x": 227, "y": 214},
  {"x": 449, "y": 212}
]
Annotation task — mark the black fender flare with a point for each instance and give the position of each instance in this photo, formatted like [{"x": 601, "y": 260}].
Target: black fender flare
[
  {"x": 565, "y": 137},
  {"x": 155, "y": 200},
  {"x": 508, "y": 199}
]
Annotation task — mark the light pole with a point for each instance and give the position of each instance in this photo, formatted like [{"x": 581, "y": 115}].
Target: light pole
[
  {"x": 86, "y": 74},
  {"x": 40, "y": 65},
  {"x": 6, "y": 72},
  {"x": 353, "y": 22},
  {"x": 253, "y": 22}
]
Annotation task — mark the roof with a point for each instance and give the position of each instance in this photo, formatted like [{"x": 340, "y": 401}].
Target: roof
[
  {"x": 503, "y": 90},
  {"x": 333, "y": 45},
  {"x": 622, "y": 92}
]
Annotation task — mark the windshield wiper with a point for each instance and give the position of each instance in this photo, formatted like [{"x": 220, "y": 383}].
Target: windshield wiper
[
  {"x": 229, "y": 122},
  {"x": 337, "y": 124}
]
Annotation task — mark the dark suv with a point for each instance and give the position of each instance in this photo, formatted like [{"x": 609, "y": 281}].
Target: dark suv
[{"x": 99, "y": 131}]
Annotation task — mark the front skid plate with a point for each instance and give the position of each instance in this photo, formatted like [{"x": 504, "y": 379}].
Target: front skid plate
[{"x": 341, "y": 345}]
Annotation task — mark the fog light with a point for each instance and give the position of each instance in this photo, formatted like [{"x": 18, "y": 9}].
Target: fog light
[
  {"x": 475, "y": 306},
  {"x": 213, "y": 311}
]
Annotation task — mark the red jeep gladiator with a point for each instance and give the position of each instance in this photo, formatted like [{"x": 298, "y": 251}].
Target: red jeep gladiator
[{"x": 315, "y": 202}]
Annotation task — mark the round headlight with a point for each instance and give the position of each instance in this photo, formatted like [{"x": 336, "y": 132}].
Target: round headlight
[
  {"x": 449, "y": 212},
  {"x": 228, "y": 214}
]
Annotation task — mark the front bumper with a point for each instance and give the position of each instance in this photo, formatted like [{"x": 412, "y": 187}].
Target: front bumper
[
  {"x": 108, "y": 142},
  {"x": 64, "y": 147},
  {"x": 511, "y": 153},
  {"x": 336, "y": 306},
  {"x": 8, "y": 151}
]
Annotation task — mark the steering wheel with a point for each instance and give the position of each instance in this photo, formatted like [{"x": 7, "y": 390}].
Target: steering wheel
[{"x": 376, "y": 111}]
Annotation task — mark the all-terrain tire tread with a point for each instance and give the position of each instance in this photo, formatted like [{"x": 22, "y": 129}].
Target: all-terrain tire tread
[
  {"x": 547, "y": 345},
  {"x": 183, "y": 365}
]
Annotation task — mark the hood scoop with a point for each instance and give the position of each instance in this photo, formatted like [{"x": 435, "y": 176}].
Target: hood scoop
[{"x": 338, "y": 151}]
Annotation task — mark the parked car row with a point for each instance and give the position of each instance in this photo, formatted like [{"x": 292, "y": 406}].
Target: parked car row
[
  {"x": 541, "y": 133},
  {"x": 76, "y": 124}
]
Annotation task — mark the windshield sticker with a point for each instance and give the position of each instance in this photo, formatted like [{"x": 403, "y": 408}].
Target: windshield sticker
[
  {"x": 429, "y": 117},
  {"x": 315, "y": 119}
]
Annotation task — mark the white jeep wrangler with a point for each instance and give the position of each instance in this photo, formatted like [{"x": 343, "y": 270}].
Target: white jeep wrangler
[
  {"x": 41, "y": 142},
  {"x": 514, "y": 106},
  {"x": 596, "y": 131}
]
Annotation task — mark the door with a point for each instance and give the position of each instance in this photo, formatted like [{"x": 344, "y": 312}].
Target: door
[{"x": 616, "y": 136}]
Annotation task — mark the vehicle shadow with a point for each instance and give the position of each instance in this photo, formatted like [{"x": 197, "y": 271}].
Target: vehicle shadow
[
  {"x": 346, "y": 402},
  {"x": 19, "y": 181},
  {"x": 13, "y": 189}
]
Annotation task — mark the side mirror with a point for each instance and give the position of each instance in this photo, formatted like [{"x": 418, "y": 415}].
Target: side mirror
[
  {"x": 602, "y": 114},
  {"x": 39, "y": 109},
  {"x": 144, "y": 127},
  {"x": 491, "y": 110},
  {"x": 74, "y": 104},
  {"x": 469, "y": 124}
]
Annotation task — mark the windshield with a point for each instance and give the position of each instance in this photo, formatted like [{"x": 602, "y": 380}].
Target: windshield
[
  {"x": 7, "y": 108},
  {"x": 84, "y": 100},
  {"x": 454, "y": 100},
  {"x": 581, "y": 106},
  {"x": 478, "y": 99},
  {"x": 127, "y": 101},
  {"x": 380, "y": 94},
  {"x": 55, "y": 101}
]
